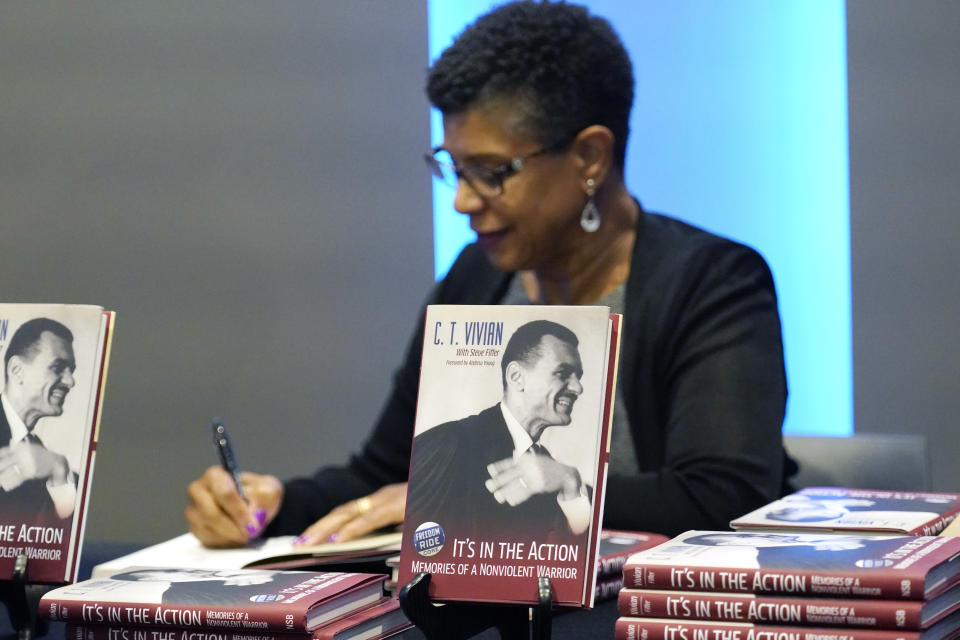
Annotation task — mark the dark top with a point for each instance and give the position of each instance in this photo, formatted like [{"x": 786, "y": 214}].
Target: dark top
[{"x": 701, "y": 371}]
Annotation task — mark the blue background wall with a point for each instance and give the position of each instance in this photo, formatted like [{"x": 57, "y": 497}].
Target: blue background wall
[{"x": 739, "y": 126}]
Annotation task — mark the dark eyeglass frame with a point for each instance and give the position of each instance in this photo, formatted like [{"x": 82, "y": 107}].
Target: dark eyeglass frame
[{"x": 487, "y": 182}]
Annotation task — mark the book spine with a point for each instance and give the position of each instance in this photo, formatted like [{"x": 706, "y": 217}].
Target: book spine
[
  {"x": 607, "y": 589},
  {"x": 653, "y": 629},
  {"x": 106, "y": 632},
  {"x": 935, "y": 527},
  {"x": 226, "y": 619},
  {"x": 612, "y": 564},
  {"x": 877, "y": 584},
  {"x": 833, "y": 612}
]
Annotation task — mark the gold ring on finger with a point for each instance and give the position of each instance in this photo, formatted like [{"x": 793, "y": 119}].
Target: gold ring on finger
[{"x": 363, "y": 505}]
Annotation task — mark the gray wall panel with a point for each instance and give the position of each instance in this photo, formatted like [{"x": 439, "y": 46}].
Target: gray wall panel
[
  {"x": 904, "y": 59},
  {"x": 242, "y": 183}
]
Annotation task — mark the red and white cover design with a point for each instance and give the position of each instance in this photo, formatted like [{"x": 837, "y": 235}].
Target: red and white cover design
[
  {"x": 795, "y": 610},
  {"x": 616, "y": 546},
  {"x": 832, "y": 565},
  {"x": 55, "y": 362},
  {"x": 373, "y": 622},
  {"x": 855, "y": 510},
  {"x": 230, "y": 600},
  {"x": 510, "y": 451},
  {"x": 660, "y": 629}
]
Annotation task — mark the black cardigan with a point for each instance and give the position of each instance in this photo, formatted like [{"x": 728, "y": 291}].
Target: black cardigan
[{"x": 701, "y": 372}]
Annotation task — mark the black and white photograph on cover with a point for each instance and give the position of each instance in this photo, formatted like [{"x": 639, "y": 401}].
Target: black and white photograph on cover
[
  {"x": 801, "y": 508},
  {"x": 770, "y": 550},
  {"x": 505, "y": 438},
  {"x": 44, "y": 417},
  {"x": 173, "y": 585}
]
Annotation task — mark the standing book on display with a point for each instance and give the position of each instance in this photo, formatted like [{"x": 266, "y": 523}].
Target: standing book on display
[
  {"x": 863, "y": 511},
  {"x": 510, "y": 452},
  {"x": 55, "y": 368}
]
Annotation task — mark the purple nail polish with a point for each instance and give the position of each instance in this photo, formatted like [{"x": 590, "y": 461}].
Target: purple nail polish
[
  {"x": 299, "y": 540},
  {"x": 261, "y": 516},
  {"x": 253, "y": 530},
  {"x": 333, "y": 537}
]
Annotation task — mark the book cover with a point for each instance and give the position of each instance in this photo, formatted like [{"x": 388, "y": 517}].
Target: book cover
[
  {"x": 510, "y": 451},
  {"x": 660, "y": 629},
  {"x": 843, "y": 566},
  {"x": 846, "y": 510},
  {"x": 263, "y": 553},
  {"x": 55, "y": 364},
  {"x": 795, "y": 610},
  {"x": 236, "y": 599}
]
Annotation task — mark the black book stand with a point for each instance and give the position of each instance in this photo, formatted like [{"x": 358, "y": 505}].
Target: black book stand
[
  {"x": 461, "y": 620},
  {"x": 22, "y": 600}
]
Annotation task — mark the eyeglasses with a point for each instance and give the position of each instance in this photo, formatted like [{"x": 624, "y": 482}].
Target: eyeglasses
[{"x": 487, "y": 181}]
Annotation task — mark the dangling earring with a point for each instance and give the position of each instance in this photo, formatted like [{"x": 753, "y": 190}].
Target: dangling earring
[{"x": 590, "y": 217}]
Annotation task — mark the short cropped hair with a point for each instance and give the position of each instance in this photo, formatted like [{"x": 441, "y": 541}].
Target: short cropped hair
[
  {"x": 567, "y": 69},
  {"x": 524, "y": 345},
  {"x": 24, "y": 340}
]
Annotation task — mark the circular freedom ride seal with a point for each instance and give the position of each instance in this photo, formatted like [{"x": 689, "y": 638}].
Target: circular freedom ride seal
[
  {"x": 266, "y": 597},
  {"x": 428, "y": 539}
]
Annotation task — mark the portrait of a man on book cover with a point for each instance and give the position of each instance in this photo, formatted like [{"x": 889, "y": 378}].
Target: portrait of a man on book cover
[{"x": 507, "y": 444}]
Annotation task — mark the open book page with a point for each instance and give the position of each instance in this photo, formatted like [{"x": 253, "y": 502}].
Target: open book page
[{"x": 186, "y": 551}]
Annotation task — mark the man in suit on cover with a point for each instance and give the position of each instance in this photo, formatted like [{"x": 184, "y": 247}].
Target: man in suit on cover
[
  {"x": 36, "y": 484},
  {"x": 488, "y": 472}
]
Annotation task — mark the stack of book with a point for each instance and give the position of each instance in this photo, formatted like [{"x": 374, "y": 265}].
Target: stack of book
[
  {"x": 614, "y": 550},
  {"x": 726, "y": 585},
  {"x": 163, "y": 603}
]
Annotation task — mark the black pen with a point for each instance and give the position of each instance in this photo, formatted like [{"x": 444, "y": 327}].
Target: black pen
[{"x": 221, "y": 439}]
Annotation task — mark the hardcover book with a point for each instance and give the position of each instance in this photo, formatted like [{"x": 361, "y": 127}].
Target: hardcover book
[
  {"x": 827, "y": 565},
  {"x": 790, "y": 610},
  {"x": 616, "y": 546},
  {"x": 55, "y": 368},
  {"x": 659, "y": 629},
  {"x": 229, "y": 600},
  {"x": 510, "y": 452},
  {"x": 861, "y": 511},
  {"x": 376, "y": 621}
]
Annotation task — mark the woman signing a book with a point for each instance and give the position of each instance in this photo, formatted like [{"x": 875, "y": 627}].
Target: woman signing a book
[{"x": 536, "y": 101}]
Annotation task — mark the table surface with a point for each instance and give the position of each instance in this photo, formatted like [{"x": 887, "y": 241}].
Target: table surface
[{"x": 596, "y": 623}]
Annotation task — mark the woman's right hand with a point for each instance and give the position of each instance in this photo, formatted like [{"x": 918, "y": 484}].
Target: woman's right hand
[{"x": 219, "y": 517}]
